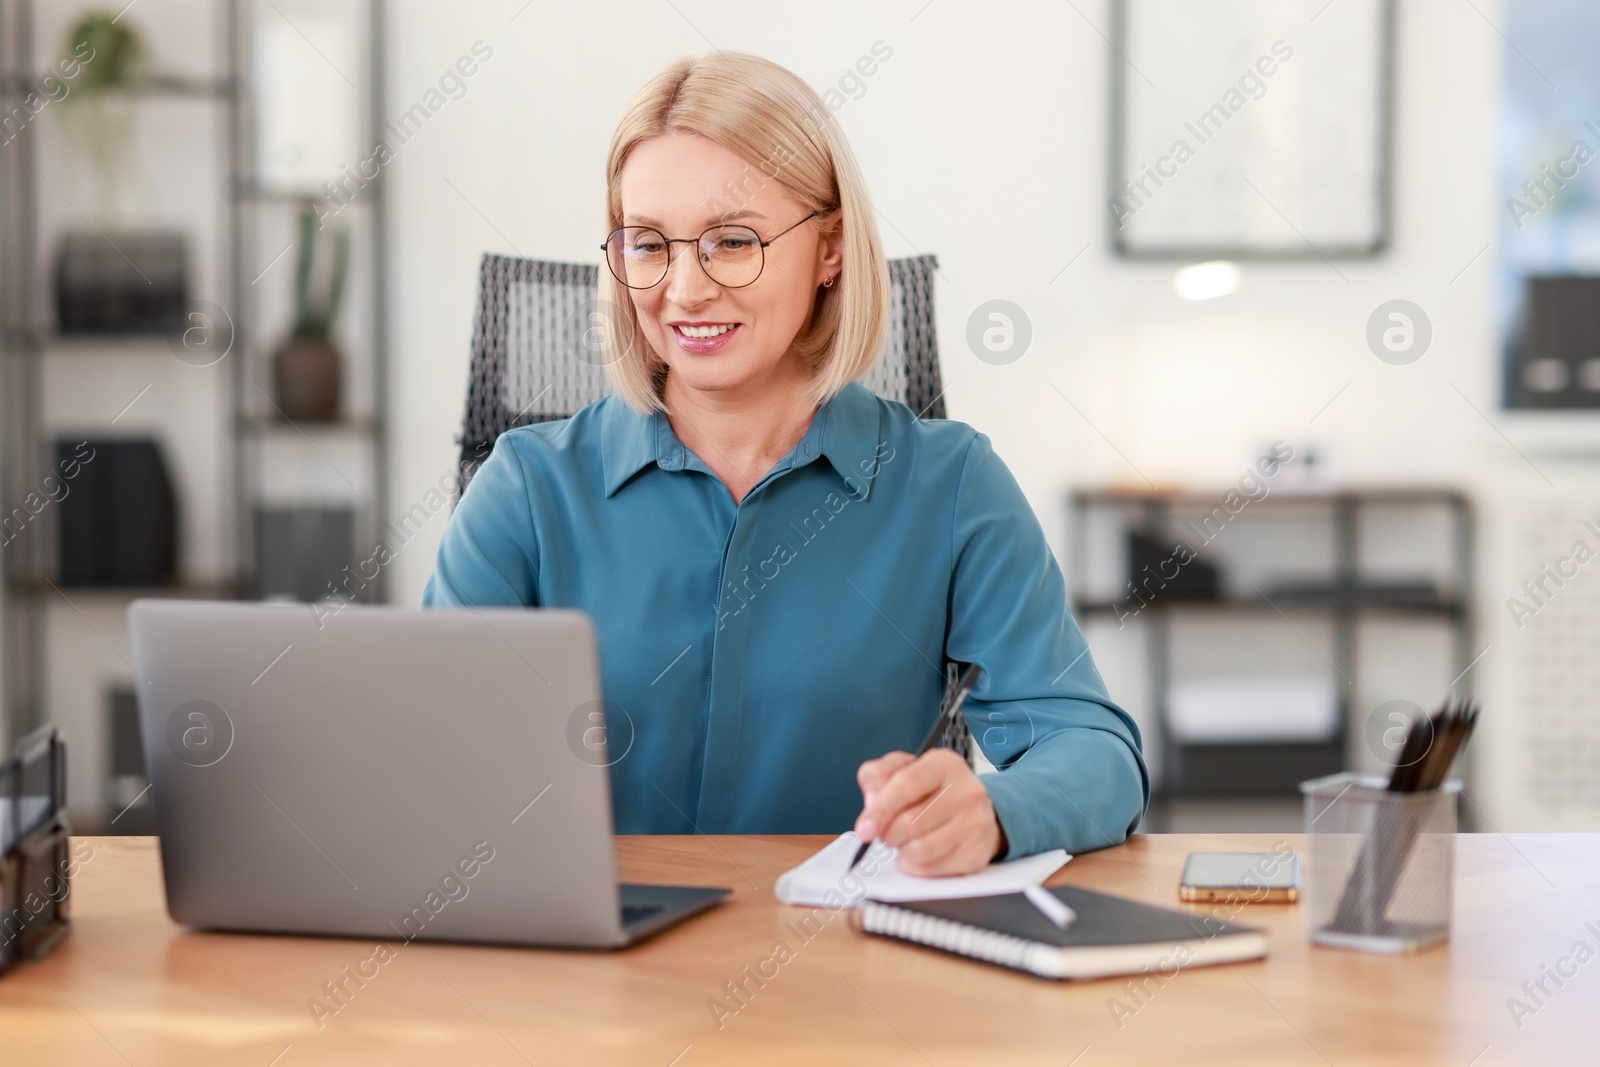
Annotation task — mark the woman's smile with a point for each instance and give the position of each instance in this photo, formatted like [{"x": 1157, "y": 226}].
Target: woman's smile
[{"x": 699, "y": 337}]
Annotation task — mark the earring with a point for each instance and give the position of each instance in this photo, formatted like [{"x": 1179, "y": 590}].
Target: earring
[{"x": 829, "y": 282}]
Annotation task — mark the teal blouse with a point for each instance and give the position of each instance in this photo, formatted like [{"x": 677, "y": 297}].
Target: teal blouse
[{"x": 758, "y": 653}]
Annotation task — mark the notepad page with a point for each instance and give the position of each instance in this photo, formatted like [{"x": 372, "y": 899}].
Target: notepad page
[{"x": 827, "y": 872}]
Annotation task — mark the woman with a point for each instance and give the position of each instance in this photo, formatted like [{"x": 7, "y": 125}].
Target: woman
[{"x": 777, "y": 562}]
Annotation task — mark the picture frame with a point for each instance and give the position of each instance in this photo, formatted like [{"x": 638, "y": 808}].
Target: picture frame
[{"x": 1250, "y": 129}]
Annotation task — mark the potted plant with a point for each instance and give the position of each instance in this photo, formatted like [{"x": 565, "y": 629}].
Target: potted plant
[
  {"x": 307, "y": 369},
  {"x": 112, "y": 51},
  {"x": 109, "y": 58}
]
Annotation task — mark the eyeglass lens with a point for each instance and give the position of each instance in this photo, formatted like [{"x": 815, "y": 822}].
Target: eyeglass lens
[{"x": 730, "y": 255}]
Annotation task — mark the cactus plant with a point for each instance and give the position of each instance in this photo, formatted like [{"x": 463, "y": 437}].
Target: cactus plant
[{"x": 315, "y": 317}]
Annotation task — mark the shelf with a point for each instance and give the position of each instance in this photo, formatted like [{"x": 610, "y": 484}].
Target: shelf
[
  {"x": 1260, "y": 768},
  {"x": 265, "y": 195},
  {"x": 1562, "y": 433},
  {"x": 1341, "y": 596},
  {"x": 1446, "y": 607},
  {"x": 113, "y": 345},
  {"x": 350, "y": 426},
  {"x": 151, "y": 86},
  {"x": 1279, "y": 497},
  {"x": 37, "y": 588}
]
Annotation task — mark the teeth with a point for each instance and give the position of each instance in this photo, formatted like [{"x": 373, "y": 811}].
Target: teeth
[{"x": 704, "y": 331}]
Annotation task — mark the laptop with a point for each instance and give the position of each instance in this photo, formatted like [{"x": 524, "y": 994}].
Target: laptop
[{"x": 389, "y": 773}]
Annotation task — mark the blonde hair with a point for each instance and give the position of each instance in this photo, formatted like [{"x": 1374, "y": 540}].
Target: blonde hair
[{"x": 765, "y": 114}]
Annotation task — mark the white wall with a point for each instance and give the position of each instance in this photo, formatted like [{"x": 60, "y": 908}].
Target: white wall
[{"x": 985, "y": 128}]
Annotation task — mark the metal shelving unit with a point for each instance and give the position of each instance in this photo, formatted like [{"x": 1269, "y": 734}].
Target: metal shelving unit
[
  {"x": 1343, "y": 598},
  {"x": 256, "y": 426},
  {"x": 245, "y": 423}
]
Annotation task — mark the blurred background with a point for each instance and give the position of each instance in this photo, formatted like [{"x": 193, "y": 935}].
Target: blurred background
[{"x": 1283, "y": 314}]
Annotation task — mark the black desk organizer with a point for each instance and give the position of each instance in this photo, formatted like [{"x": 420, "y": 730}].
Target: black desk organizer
[{"x": 35, "y": 862}]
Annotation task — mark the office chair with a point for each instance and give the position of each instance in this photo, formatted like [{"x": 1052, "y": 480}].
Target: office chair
[{"x": 536, "y": 357}]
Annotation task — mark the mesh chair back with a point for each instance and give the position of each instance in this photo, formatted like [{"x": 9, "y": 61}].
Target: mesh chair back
[{"x": 536, "y": 357}]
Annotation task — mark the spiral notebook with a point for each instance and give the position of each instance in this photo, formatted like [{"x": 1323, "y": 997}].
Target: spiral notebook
[{"x": 1111, "y": 935}]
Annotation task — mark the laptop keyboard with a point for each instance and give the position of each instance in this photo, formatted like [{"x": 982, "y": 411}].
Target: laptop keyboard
[{"x": 637, "y": 913}]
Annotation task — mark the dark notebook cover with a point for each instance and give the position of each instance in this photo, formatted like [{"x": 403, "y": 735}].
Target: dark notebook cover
[{"x": 1111, "y": 935}]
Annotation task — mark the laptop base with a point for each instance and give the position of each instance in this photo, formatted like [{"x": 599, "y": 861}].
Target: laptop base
[{"x": 649, "y": 909}]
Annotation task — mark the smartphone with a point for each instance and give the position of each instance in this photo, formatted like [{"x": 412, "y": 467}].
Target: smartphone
[{"x": 1257, "y": 877}]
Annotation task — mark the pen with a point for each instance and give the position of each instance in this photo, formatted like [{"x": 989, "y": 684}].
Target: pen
[
  {"x": 1430, "y": 748},
  {"x": 951, "y": 704},
  {"x": 1050, "y": 906}
]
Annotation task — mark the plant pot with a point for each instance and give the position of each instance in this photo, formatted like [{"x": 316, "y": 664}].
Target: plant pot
[{"x": 307, "y": 374}]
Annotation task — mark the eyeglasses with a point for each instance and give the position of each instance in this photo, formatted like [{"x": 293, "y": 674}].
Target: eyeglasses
[{"x": 731, "y": 255}]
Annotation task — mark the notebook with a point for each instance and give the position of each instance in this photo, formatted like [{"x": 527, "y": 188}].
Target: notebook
[
  {"x": 825, "y": 880},
  {"x": 1111, "y": 935}
]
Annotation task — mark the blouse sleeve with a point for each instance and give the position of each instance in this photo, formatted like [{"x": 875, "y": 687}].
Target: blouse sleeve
[
  {"x": 489, "y": 555},
  {"x": 1071, "y": 773}
]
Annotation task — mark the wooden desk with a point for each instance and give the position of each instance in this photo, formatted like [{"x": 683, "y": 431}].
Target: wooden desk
[{"x": 129, "y": 987}]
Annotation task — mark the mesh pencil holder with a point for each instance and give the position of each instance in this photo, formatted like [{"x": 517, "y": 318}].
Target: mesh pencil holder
[{"x": 1380, "y": 866}]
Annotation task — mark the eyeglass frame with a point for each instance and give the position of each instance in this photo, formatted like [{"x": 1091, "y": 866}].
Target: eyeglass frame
[{"x": 605, "y": 247}]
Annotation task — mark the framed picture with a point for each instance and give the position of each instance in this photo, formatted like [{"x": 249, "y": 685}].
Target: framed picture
[{"x": 1250, "y": 128}]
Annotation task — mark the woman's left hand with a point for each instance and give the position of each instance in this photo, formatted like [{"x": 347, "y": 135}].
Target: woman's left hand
[{"x": 933, "y": 809}]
